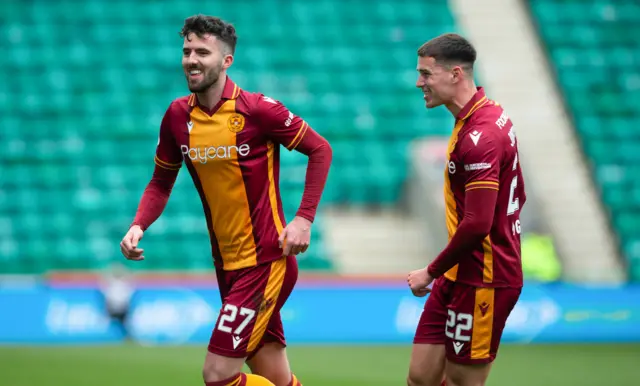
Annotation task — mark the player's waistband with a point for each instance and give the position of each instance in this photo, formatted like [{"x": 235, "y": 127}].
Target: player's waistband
[
  {"x": 470, "y": 283},
  {"x": 220, "y": 264}
]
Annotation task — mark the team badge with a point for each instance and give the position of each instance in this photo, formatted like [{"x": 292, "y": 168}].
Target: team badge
[{"x": 236, "y": 123}]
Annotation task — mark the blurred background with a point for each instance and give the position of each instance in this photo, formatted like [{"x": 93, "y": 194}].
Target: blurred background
[{"x": 84, "y": 85}]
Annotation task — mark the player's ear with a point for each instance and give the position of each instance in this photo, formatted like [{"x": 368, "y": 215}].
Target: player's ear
[
  {"x": 456, "y": 74},
  {"x": 227, "y": 61}
]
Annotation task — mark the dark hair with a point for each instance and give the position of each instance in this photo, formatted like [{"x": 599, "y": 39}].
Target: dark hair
[
  {"x": 203, "y": 24},
  {"x": 450, "y": 49}
]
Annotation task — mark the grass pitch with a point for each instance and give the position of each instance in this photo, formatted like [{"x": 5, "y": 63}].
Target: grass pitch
[{"x": 131, "y": 365}]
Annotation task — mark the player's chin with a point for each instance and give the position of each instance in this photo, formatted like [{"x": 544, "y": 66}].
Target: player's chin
[
  {"x": 194, "y": 86},
  {"x": 432, "y": 103}
]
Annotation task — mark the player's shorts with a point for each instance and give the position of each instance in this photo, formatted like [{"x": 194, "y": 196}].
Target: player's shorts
[
  {"x": 251, "y": 302},
  {"x": 468, "y": 320}
]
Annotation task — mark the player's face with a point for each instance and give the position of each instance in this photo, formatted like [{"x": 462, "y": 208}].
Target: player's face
[
  {"x": 436, "y": 82},
  {"x": 203, "y": 60}
]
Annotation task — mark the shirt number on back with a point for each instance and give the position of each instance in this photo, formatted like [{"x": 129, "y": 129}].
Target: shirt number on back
[{"x": 514, "y": 203}]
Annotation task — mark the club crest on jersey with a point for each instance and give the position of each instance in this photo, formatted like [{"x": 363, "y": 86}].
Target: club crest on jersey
[{"x": 235, "y": 123}]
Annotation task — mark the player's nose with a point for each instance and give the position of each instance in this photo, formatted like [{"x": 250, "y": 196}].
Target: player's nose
[{"x": 192, "y": 59}]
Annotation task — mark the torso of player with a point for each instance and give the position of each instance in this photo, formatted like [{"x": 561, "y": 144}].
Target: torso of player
[
  {"x": 496, "y": 262},
  {"x": 234, "y": 166}
]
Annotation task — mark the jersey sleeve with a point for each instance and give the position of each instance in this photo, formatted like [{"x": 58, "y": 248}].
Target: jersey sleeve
[
  {"x": 480, "y": 154},
  {"x": 279, "y": 124},
  {"x": 168, "y": 155}
]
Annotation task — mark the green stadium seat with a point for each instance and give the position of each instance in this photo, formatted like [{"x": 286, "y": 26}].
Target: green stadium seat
[
  {"x": 83, "y": 160},
  {"x": 596, "y": 54}
]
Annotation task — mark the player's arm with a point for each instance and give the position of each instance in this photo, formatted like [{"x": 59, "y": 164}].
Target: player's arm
[
  {"x": 320, "y": 154},
  {"x": 168, "y": 160},
  {"x": 295, "y": 134},
  {"x": 482, "y": 160}
]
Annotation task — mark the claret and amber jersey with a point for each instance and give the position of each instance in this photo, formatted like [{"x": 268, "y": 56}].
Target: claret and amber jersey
[
  {"x": 483, "y": 154},
  {"x": 232, "y": 154}
]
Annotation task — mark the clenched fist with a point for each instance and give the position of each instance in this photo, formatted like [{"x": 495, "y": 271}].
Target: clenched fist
[
  {"x": 420, "y": 282},
  {"x": 129, "y": 244}
]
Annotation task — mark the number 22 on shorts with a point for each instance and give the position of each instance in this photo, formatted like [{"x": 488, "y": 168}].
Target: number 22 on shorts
[{"x": 461, "y": 323}]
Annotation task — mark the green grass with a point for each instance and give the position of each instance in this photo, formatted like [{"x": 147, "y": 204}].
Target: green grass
[{"x": 130, "y": 365}]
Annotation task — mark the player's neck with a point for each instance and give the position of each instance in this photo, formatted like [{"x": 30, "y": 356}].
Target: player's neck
[
  {"x": 213, "y": 94},
  {"x": 466, "y": 92}
]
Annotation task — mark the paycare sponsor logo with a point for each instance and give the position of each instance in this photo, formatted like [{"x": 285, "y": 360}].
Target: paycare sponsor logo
[{"x": 211, "y": 153}]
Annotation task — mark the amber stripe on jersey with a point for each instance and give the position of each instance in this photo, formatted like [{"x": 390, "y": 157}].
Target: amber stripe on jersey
[
  {"x": 451, "y": 210},
  {"x": 273, "y": 193},
  {"x": 236, "y": 91},
  {"x": 482, "y": 184},
  {"x": 224, "y": 188},
  {"x": 298, "y": 138},
  {"x": 487, "y": 270},
  {"x": 167, "y": 165},
  {"x": 271, "y": 294},
  {"x": 476, "y": 106},
  {"x": 482, "y": 323}
]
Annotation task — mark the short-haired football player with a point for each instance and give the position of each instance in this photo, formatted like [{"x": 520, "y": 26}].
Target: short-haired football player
[
  {"x": 476, "y": 280},
  {"x": 230, "y": 140}
]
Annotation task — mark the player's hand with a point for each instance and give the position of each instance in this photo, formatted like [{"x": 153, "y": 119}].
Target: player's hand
[
  {"x": 295, "y": 236},
  {"x": 420, "y": 282},
  {"x": 129, "y": 244}
]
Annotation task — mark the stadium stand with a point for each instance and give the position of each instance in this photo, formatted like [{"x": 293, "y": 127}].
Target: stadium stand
[
  {"x": 595, "y": 52},
  {"x": 83, "y": 89}
]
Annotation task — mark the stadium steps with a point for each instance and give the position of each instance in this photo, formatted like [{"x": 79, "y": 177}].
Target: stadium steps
[
  {"x": 595, "y": 54},
  {"x": 512, "y": 65},
  {"x": 385, "y": 242}
]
